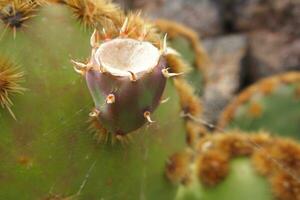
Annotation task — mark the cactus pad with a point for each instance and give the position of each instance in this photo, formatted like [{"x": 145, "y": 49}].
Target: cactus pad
[
  {"x": 49, "y": 151},
  {"x": 234, "y": 166},
  {"x": 271, "y": 104}
]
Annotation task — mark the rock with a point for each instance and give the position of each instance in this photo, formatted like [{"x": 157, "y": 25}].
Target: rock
[
  {"x": 272, "y": 14},
  {"x": 201, "y": 15},
  {"x": 226, "y": 55},
  {"x": 272, "y": 52}
]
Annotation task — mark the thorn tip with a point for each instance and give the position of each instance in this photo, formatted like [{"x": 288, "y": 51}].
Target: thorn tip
[
  {"x": 124, "y": 26},
  {"x": 164, "y": 46},
  {"x": 106, "y": 37},
  {"x": 80, "y": 68},
  {"x": 147, "y": 115},
  {"x": 132, "y": 76},
  {"x": 164, "y": 100},
  {"x": 167, "y": 74},
  {"x": 95, "y": 39}
]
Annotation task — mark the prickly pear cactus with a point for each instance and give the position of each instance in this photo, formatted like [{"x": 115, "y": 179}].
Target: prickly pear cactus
[
  {"x": 271, "y": 104},
  {"x": 235, "y": 165},
  {"x": 55, "y": 137},
  {"x": 186, "y": 41}
]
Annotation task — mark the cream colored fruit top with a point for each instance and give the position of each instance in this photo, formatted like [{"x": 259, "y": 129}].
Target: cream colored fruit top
[{"x": 121, "y": 55}]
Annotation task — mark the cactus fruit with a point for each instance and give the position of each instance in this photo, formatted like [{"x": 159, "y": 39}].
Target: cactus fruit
[
  {"x": 186, "y": 41},
  {"x": 126, "y": 78},
  {"x": 235, "y": 165},
  {"x": 47, "y": 152},
  {"x": 272, "y": 104}
]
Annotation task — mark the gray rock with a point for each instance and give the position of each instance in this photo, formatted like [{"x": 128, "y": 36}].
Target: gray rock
[
  {"x": 273, "y": 52},
  {"x": 226, "y": 54},
  {"x": 201, "y": 15},
  {"x": 272, "y": 14}
]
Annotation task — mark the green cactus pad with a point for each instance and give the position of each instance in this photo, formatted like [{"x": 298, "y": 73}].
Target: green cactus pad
[
  {"x": 242, "y": 183},
  {"x": 272, "y": 104},
  {"x": 48, "y": 151},
  {"x": 235, "y": 166}
]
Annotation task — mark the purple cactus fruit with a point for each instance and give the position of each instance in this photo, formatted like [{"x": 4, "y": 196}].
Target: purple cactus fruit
[{"x": 126, "y": 78}]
